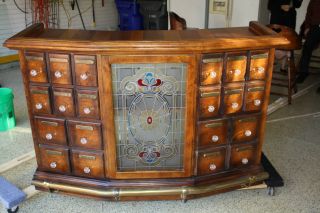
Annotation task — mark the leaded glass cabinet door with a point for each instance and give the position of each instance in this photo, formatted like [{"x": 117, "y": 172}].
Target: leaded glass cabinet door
[{"x": 153, "y": 116}]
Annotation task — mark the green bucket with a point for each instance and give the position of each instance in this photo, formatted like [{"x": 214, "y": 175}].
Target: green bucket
[{"x": 7, "y": 118}]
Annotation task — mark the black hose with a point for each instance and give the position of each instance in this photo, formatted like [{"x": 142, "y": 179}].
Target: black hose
[{"x": 19, "y": 7}]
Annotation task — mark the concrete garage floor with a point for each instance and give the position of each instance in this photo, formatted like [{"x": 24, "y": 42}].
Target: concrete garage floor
[{"x": 292, "y": 145}]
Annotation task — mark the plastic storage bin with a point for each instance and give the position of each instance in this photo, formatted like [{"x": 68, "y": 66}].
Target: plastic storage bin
[
  {"x": 155, "y": 14},
  {"x": 7, "y": 118},
  {"x": 129, "y": 16}
]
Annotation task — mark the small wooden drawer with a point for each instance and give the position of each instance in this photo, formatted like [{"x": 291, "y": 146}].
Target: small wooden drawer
[
  {"x": 213, "y": 133},
  {"x": 232, "y": 99},
  {"x": 236, "y": 68},
  {"x": 242, "y": 155},
  {"x": 245, "y": 129},
  {"x": 254, "y": 97},
  {"x": 86, "y": 70},
  {"x": 63, "y": 102},
  {"x": 60, "y": 69},
  {"x": 40, "y": 100},
  {"x": 210, "y": 162},
  {"x": 84, "y": 134},
  {"x": 88, "y": 164},
  {"x": 209, "y": 101},
  {"x": 88, "y": 104},
  {"x": 258, "y": 66},
  {"x": 54, "y": 159},
  {"x": 211, "y": 70},
  {"x": 51, "y": 131},
  {"x": 36, "y": 67}
]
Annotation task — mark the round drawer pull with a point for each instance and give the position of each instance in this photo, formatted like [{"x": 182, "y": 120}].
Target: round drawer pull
[
  {"x": 86, "y": 170},
  {"x": 211, "y": 108},
  {"x": 213, "y": 74},
  {"x": 53, "y": 165},
  {"x": 257, "y": 102},
  {"x": 84, "y": 76},
  {"x": 212, "y": 166},
  {"x": 234, "y": 105},
  {"x": 83, "y": 140},
  {"x": 39, "y": 106},
  {"x": 86, "y": 110},
  {"x": 33, "y": 73},
  {"x": 244, "y": 161},
  {"x": 49, "y": 136},
  {"x": 62, "y": 108},
  {"x": 237, "y": 72},
  {"x": 260, "y": 70},
  {"x": 58, "y": 74},
  {"x": 247, "y": 133},
  {"x": 215, "y": 138}
]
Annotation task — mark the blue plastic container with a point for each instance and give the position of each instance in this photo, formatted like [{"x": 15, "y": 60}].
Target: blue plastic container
[{"x": 129, "y": 16}]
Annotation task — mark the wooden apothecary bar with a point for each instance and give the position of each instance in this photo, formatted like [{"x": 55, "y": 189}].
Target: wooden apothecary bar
[{"x": 147, "y": 114}]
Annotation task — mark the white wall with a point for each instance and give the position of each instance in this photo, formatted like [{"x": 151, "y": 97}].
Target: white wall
[{"x": 301, "y": 14}]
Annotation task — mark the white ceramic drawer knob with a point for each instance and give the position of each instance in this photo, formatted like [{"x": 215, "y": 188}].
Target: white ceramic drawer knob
[
  {"x": 244, "y": 161},
  {"x": 86, "y": 110},
  {"x": 83, "y": 140},
  {"x": 211, "y": 108},
  {"x": 49, "y": 136},
  {"x": 257, "y": 102},
  {"x": 215, "y": 138},
  {"x": 84, "y": 76},
  {"x": 213, "y": 74},
  {"x": 234, "y": 105},
  {"x": 33, "y": 73},
  {"x": 58, "y": 74},
  {"x": 62, "y": 108},
  {"x": 237, "y": 72},
  {"x": 86, "y": 170},
  {"x": 212, "y": 166},
  {"x": 260, "y": 70},
  {"x": 53, "y": 165},
  {"x": 39, "y": 106},
  {"x": 248, "y": 133}
]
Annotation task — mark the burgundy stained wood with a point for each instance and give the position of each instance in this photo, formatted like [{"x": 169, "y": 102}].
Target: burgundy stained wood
[
  {"x": 242, "y": 156},
  {"x": 209, "y": 101},
  {"x": 212, "y": 161},
  {"x": 245, "y": 129},
  {"x": 86, "y": 70},
  {"x": 258, "y": 65},
  {"x": 213, "y": 133},
  {"x": 88, "y": 104},
  {"x": 40, "y": 100},
  {"x": 63, "y": 102},
  {"x": 51, "y": 130},
  {"x": 36, "y": 67}
]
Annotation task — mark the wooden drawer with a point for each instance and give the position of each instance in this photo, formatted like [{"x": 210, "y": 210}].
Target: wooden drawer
[
  {"x": 242, "y": 155},
  {"x": 210, "y": 162},
  {"x": 51, "y": 131},
  {"x": 213, "y": 133},
  {"x": 60, "y": 71},
  {"x": 254, "y": 97},
  {"x": 40, "y": 100},
  {"x": 36, "y": 67},
  {"x": 88, "y": 104},
  {"x": 88, "y": 164},
  {"x": 211, "y": 70},
  {"x": 63, "y": 102},
  {"x": 86, "y": 70},
  {"x": 84, "y": 134},
  {"x": 258, "y": 66},
  {"x": 236, "y": 67},
  {"x": 209, "y": 101},
  {"x": 245, "y": 129},
  {"x": 232, "y": 99},
  {"x": 54, "y": 159}
]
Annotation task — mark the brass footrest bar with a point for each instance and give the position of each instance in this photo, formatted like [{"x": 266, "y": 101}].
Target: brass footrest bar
[{"x": 183, "y": 192}]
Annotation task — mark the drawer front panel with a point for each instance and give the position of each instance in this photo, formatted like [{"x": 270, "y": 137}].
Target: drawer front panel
[
  {"x": 88, "y": 104},
  {"x": 60, "y": 69},
  {"x": 254, "y": 97},
  {"x": 258, "y": 66},
  {"x": 85, "y": 135},
  {"x": 213, "y": 133},
  {"x": 54, "y": 159},
  {"x": 211, "y": 162},
  {"x": 236, "y": 68},
  {"x": 88, "y": 164},
  {"x": 40, "y": 100},
  {"x": 86, "y": 70},
  {"x": 245, "y": 129},
  {"x": 36, "y": 67},
  {"x": 232, "y": 99},
  {"x": 211, "y": 71},
  {"x": 209, "y": 101},
  {"x": 51, "y": 131},
  {"x": 242, "y": 155},
  {"x": 63, "y": 102}
]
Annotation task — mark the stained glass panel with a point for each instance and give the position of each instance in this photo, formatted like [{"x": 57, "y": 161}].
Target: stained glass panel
[{"x": 149, "y": 109}]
